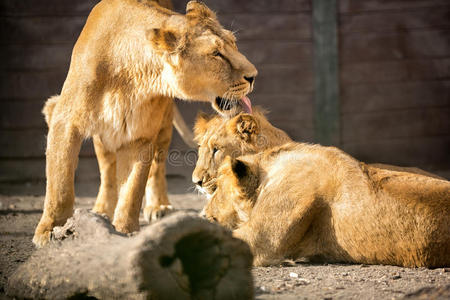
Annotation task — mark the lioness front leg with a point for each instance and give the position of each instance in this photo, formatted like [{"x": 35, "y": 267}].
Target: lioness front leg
[
  {"x": 156, "y": 202},
  {"x": 63, "y": 147},
  {"x": 107, "y": 194},
  {"x": 133, "y": 165}
]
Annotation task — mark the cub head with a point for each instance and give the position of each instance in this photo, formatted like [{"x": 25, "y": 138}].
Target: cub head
[
  {"x": 201, "y": 60},
  {"x": 235, "y": 196},
  {"x": 219, "y": 137}
]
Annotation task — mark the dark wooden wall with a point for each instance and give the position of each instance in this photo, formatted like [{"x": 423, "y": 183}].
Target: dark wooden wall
[
  {"x": 395, "y": 71},
  {"x": 394, "y": 78}
]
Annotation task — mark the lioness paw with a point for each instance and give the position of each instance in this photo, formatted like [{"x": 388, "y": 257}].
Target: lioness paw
[
  {"x": 41, "y": 237},
  {"x": 152, "y": 213}
]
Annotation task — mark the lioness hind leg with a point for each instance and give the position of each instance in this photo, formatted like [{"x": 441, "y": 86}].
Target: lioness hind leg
[
  {"x": 133, "y": 165},
  {"x": 107, "y": 195},
  {"x": 63, "y": 147},
  {"x": 156, "y": 202}
]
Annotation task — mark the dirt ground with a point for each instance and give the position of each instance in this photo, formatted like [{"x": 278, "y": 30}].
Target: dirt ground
[{"x": 292, "y": 280}]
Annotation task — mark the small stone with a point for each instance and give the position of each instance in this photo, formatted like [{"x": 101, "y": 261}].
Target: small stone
[
  {"x": 396, "y": 276},
  {"x": 344, "y": 274},
  {"x": 302, "y": 281},
  {"x": 293, "y": 275},
  {"x": 12, "y": 206}
]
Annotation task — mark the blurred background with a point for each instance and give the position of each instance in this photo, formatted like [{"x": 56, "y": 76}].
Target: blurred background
[{"x": 389, "y": 71}]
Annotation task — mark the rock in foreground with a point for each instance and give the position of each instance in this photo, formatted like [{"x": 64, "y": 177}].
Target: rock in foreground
[{"x": 179, "y": 257}]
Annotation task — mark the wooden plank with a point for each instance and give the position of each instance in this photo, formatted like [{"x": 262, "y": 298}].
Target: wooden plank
[
  {"x": 279, "y": 52},
  {"x": 397, "y": 21},
  {"x": 36, "y": 57},
  {"x": 284, "y": 79},
  {"x": 31, "y": 143},
  {"x": 272, "y": 79},
  {"x": 355, "y": 6},
  {"x": 253, "y": 6},
  {"x": 40, "y": 30},
  {"x": 326, "y": 75},
  {"x": 20, "y": 170},
  {"x": 395, "y": 71},
  {"x": 268, "y": 26},
  {"x": 33, "y": 85},
  {"x": 397, "y": 45},
  {"x": 21, "y": 115},
  {"x": 420, "y": 122},
  {"x": 394, "y": 96},
  {"x": 428, "y": 153},
  {"x": 46, "y": 7}
]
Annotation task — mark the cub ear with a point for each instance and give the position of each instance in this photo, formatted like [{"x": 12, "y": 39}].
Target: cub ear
[
  {"x": 240, "y": 169},
  {"x": 197, "y": 9},
  {"x": 245, "y": 174},
  {"x": 163, "y": 39},
  {"x": 201, "y": 124},
  {"x": 245, "y": 126}
]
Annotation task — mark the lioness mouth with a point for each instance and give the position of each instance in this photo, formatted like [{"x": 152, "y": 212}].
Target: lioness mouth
[{"x": 226, "y": 104}]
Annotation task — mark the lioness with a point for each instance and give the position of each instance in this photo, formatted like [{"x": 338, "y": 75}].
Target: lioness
[
  {"x": 309, "y": 201},
  {"x": 132, "y": 56},
  {"x": 219, "y": 137}
]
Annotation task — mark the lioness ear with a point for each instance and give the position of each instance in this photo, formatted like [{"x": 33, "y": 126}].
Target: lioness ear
[
  {"x": 163, "y": 40},
  {"x": 201, "y": 124},
  {"x": 197, "y": 9},
  {"x": 245, "y": 126}
]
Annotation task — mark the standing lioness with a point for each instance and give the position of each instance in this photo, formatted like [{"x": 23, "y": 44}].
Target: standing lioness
[
  {"x": 300, "y": 200},
  {"x": 131, "y": 56}
]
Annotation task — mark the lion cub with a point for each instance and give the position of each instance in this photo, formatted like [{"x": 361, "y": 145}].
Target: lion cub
[
  {"x": 243, "y": 134},
  {"x": 315, "y": 202}
]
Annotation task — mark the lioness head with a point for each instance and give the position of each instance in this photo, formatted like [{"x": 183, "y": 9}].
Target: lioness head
[
  {"x": 219, "y": 137},
  {"x": 201, "y": 60},
  {"x": 235, "y": 196}
]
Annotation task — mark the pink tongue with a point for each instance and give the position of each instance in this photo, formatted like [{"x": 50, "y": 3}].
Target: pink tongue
[{"x": 246, "y": 105}]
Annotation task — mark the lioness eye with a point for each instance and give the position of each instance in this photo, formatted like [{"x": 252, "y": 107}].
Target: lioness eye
[{"x": 215, "y": 150}]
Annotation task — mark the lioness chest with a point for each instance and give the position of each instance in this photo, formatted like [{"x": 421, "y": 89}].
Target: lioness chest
[{"x": 119, "y": 121}]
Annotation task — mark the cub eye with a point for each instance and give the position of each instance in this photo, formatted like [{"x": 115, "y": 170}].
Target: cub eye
[
  {"x": 218, "y": 54},
  {"x": 215, "y": 151}
]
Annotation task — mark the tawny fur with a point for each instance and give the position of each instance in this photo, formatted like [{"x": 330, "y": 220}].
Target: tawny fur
[
  {"x": 131, "y": 58},
  {"x": 308, "y": 201},
  {"x": 219, "y": 137}
]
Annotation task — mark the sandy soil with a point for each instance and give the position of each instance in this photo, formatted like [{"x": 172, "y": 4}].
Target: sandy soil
[{"x": 292, "y": 280}]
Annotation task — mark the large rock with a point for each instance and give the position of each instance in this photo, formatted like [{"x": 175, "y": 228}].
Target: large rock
[{"x": 179, "y": 257}]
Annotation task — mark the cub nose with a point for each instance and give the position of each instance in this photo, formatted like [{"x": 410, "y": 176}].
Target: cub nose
[
  {"x": 250, "y": 79},
  {"x": 199, "y": 183}
]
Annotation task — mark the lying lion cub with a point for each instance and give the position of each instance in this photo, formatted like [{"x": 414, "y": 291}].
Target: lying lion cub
[
  {"x": 310, "y": 201},
  {"x": 243, "y": 134}
]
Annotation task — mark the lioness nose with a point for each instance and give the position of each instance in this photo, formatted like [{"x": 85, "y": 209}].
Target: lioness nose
[
  {"x": 249, "y": 79},
  {"x": 199, "y": 183}
]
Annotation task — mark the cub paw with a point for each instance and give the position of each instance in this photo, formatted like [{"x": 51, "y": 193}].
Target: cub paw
[{"x": 152, "y": 213}]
